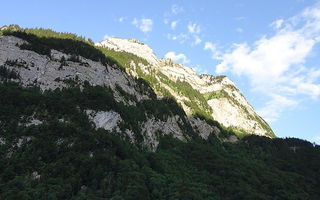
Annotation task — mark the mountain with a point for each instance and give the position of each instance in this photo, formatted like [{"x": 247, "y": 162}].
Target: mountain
[
  {"x": 203, "y": 98},
  {"x": 215, "y": 97},
  {"x": 60, "y": 70},
  {"x": 83, "y": 121}
]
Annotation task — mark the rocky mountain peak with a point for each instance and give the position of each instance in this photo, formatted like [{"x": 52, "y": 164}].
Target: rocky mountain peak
[
  {"x": 130, "y": 45},
  {"x": 141, "y": 79},
  {"x": 220, "y": 98}
]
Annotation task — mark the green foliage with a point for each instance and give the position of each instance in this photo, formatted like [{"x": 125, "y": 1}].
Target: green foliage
[
  {"x": 6, "y": 73},
  {"x": 127, "y": 96},
  {"x": 265, "y": 125},
  {"x": 146, "y": 83},
  {"x": 163, "y": 108},
  {"x": 123, "y": 58},
  {"x": 215, "y": 95},
  {"x": 74, "y": 102},
  {"x": 43, "y": 40},
  {"x": 196, "y": 101},
  {"x": 17, "y": 63},
  {"x": 70, "y": 159}
]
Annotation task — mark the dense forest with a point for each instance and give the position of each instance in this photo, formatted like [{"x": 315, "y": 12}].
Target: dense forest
[
  {"x": 69, "y": 159},
  {"x": 66, "y": 157}
]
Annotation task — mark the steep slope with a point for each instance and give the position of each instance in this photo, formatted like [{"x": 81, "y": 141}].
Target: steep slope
[
  {"x": 133, "y": 109},
  {"x": 214, "y": 97},
  {"x": 74, "y": 125},
  {"x": 44, "y": 62}
]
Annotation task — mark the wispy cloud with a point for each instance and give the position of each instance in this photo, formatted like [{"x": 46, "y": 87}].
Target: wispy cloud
[
  {"x": 194, "y": 28},
  {"x": 174, "y": 24},
  {"x": 198, "y": 69},
  {"x": 196, "y": 41},
  {"x": 145, "y": 24},
  {"x": 173, "y": 12},
  {"x": 271, "y": 111},
  {"x": 180, "y": 37},
  {"x": 212, "y": 47},
  {"x": 277, "y": 24},
  {"x": 177, "y": 57},
  {"x": 193, "y": 34},
  {"x": 276, "y": 65},
  {"x": 121, "y": 19}
]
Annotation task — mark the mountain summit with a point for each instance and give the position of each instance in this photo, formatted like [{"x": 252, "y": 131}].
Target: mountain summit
[{"x": 216, "y": 97}]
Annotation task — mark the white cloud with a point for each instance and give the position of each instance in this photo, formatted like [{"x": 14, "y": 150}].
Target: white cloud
[
  {"x": 194, "y": 28},
  {"x": 277, "y": 24},
  {"x": 121, "y": 19},
  {"x": 271, "y": 111},
  {"x": 183, "y": 37},
  {"x": 313, "y": 75},
  {"x": 174, "y": 24},
  {"x": 135, "y": 22},
  {"x": 145, "y": 24},
  {"x": 175, "y": 9},
  {"x": 212, "y": 47},
  {"x": 196, "y": 41},
  {"x": 209, "y": 46},
  {"x": 177, "y": 57},
  {"x": 180, "y": 37},
  {"x": 199, "y": 70},
  {"x": 194, "y": 31},
  {"x": 275, "y": 65},
  {"x": 193, "y": 35}
]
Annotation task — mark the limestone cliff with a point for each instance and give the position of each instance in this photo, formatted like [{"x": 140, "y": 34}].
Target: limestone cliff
[
  {"x": 220, "y": 98},
  {"x": 145, "y": 82},
  {"x": 60, "y": 70}
]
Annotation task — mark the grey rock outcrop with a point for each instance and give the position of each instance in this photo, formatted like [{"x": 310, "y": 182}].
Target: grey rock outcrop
[{"x": 58, "y": 71}]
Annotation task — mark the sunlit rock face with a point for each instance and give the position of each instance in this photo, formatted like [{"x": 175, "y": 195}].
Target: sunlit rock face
[
  {"x": 228, "y": 106},
  {"x": 48, "y": 73},
  {"x": 219, "y": 97}
]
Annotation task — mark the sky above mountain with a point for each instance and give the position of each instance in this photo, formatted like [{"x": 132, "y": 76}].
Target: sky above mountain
[{"x": 269, "y": 48}]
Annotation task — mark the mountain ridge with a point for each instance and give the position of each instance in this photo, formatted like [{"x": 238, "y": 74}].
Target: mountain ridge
[
  {"x": 76, "y": 124},
  {"x": 230, "y": 108},
  {"x": 197, "y": 95},
  {"x": 60, "y": 70}
]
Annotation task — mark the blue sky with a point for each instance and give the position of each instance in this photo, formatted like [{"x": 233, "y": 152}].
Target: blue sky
[{"x": 269, "y": 48}]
